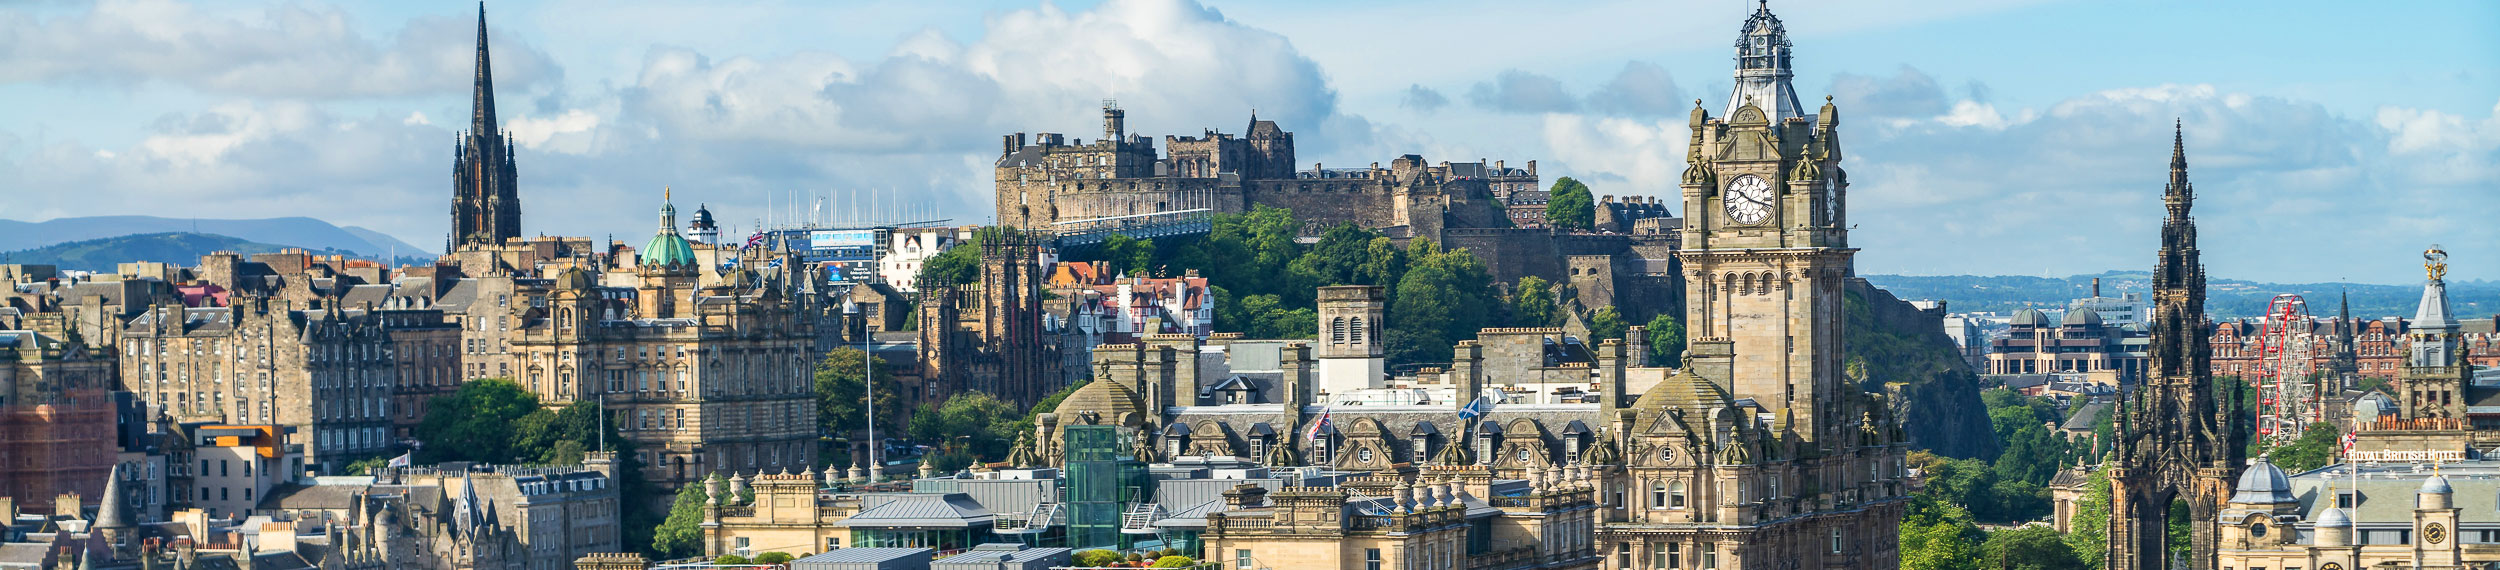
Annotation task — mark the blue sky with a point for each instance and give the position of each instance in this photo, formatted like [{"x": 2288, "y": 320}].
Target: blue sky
[{"x": 2328, "y": 140}]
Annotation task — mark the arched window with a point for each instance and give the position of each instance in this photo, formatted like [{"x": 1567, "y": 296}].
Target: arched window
[
  {"x": 1357, "y": 327},
  {"x": 1675, "y": 495},
  {"x": 1658, "y": 494},
  {"x": 1336, "y": 330}
]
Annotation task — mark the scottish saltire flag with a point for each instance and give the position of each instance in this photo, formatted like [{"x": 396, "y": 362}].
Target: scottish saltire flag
[{"x": 1475, "y": 409}]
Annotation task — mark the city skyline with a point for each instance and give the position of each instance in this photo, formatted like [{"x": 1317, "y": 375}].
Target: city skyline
[{"x": 1976, "y": 124}]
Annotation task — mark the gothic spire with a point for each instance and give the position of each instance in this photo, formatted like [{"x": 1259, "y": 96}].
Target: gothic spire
[{"x": 482, "y": 116}]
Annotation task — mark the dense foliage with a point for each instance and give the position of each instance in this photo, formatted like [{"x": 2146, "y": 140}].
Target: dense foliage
[
  {"x": 1265, "y": 283},
  {"x": 1571, "y": 205},
  {"x": 842, "y": 400},
  {"x": 967, "y": 427},
  {"x": 494, "y": 420},
  {"x": 681, "y": 534},
  {"x": 1666, "y": 340},
  {"x": 2315, "y": 448}
]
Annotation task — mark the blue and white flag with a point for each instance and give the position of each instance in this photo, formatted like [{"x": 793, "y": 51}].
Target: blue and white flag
[{"x": 1475, "y": 409}]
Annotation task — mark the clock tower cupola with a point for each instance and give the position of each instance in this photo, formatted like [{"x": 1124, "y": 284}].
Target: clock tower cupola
[{"x": 1766, "y": 244}]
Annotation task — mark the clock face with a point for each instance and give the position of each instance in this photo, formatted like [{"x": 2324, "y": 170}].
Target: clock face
[
  {"x": 1748, "y": 200},
  {"x": 2435, "y": 533}
]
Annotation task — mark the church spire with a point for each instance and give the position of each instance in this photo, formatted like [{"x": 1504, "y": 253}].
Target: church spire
[
  {"x": 482, "y": 117},
  {"x": 485, "y": 203}
]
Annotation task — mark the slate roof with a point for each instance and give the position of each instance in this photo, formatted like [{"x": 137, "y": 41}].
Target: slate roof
[{"x": 921, "y": 510}]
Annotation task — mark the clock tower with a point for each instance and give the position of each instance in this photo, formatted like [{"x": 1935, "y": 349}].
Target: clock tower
[{"x": 1766, "y": 244}]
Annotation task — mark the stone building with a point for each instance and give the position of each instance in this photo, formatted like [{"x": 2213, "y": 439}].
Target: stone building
[
  {"x": 486, "y": 198},
  {"x": 2371, "y": 515},
  {"x": 1047, "y": 182},
  {"x": 326, "y": 374},
  {"x": 238, "y": 465},
  {"x": 2178, "y": 437},
  {"x": 2446, "y": 408},
  {"x": 2080, "y": 342},
  {"x": 704, "y": 370},
  {"x": 57, "y": 417}
]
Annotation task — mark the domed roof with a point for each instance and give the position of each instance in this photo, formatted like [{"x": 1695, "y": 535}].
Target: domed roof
[
  {"x": 575, "y": 278},
  {"x": 2081, "y": 317},
  {"x": 2437, "y": 484},
  {"x": 667, "y": 248},
  {"x": 1115, "y": 402},
  {"x": 2030, "y": 318},
  {"x": 702, "y": 217},
  {"x": 2263, "y": 483},
  {"x": 1684, "y": 390},
  {"x": 2334, "y": 518}
]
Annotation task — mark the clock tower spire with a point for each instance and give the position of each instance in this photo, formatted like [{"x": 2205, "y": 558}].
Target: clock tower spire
[{"x": 1766, "y": 249}]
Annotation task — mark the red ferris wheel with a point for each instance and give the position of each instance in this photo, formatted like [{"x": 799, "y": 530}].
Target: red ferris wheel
[{"x": 2286, "y": 404}]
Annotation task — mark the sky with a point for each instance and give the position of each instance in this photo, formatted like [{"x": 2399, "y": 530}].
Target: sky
[{"x": 2327, "y": 140}]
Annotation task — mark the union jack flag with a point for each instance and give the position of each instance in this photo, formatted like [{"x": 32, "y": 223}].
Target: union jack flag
[
  {"x": 755, "y": 240},
  {"x": 1318, "y": 426}
]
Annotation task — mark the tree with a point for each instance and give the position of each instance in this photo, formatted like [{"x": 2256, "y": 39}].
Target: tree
[
  {"x": 842, "y": 394},
  {"x": 775, "y": 557},
  {"x": 1341, "y": 257},
  {"x": 367, "y": 465},
  {"x": 1935, "y": 535},
  {"x": 2088, "y": 532},
  {"x": 474, "y": 422},
  {"x": 2315, "y": 448},
  {"x": 1096, "y": 558},
  {"x": 982, "y": 424},
  {"x": 1532, "y": 302},
  {"x": 2028, "y": 548},
  {"x": 681, "y": 534},
  {"x": 1175, "y": 561},
  {"x": 1666, "y": 340},
  {"x": 1570, "y": 205},
  {"x": 957, "y": 265},
  {"x": 732, "y": 560},
  {"x": 1606, "y": 324},
  {"x": 2031, "y": 456}
]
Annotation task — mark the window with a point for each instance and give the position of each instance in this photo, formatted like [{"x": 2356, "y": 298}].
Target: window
[
  {"x": 1709, "y": 556},
  {"x": 1371, "y": 559},
  {"x": 1835, "y": 541},
  {"x": 1241, "y": 559},
  {"x": 1675, "y": 555},
  {"x": 1675, "y": 495},
  {"x": 1658, "y": 494},
  {"x": 1658, "y": 557}
]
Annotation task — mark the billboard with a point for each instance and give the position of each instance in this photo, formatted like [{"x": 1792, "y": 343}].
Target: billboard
[{"x": 822, "y": 240}]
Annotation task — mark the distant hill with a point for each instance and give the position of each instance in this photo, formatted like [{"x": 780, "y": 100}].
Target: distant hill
[
  {"x": 307, "y": 233},
  {"x": 2224, "y": 298},
  {"x": 103, "y": 254}
]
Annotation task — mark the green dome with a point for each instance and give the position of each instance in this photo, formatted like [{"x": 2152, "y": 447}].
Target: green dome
[{"x": 668, "y": 248}]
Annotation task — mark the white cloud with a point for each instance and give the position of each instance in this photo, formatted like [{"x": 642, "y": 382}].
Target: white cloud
[
  {"x": 290, "y": 51},
  {"x": 569, "y": 133}
]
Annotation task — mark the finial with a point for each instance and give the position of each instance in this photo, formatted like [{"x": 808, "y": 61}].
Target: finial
[{"x": 665, "y": 194}]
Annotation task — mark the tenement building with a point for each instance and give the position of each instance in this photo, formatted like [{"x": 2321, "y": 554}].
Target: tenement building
[{"x": 327, "y": 374}]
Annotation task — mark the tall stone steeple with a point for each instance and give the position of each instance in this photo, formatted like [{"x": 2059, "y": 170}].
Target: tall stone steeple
[
  {"x": 2182, "y": 437},
  {"x": 485, "y": 203},
  {"x": 1762, "y": 71}
]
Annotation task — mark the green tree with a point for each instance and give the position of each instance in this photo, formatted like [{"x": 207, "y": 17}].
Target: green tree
[
  {"x": 1606, "y": 324},
  {"x": 1175, "y": 561},
  {"x": 957, "y": 265},
  {"x": 2088, "y": 532},
  {"x": 1341, "y": 257},
  {"x": 2028, "y": 548},
  {"x": 1666, "y": 340},
  {"x": 1936, "y": 535},
  {"x": 2031, "y": 456},
  {"x": 2315, "y": 448},
  {"x": 732, "y": 560},
  {"x": 1571, "y": 205},
  {"x": 681, "y": 534},
  {"x": 474, "y": 422},
  {"x": 1123, "y": 255},
  {"x": 367, "y": 465},
  {"x": 1532, "y": 302},
  {"x": 982, "y": 425},
  {"x": 775, "y": 557},
  {"x": 842, "y": 394}
]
